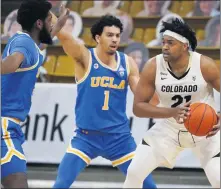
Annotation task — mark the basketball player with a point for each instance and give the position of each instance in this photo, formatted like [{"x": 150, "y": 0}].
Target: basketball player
[
  {"x": 102, "y": 75},
  {"x": 178, "y": 75},
  {"x": 20, "y": 62}
]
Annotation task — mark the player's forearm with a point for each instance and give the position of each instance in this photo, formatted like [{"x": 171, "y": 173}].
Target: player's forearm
[
  {"x": 70, "y": 45},
  {"x": 64, "y": 36},
  {"x": 146, "y": 110}
]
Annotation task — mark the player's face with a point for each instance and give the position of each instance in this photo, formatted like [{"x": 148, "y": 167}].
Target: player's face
[
  {"x": 171, "y": 48},
  {"x": 110, "y": 39},
  {"x": 45, "y": 33}
]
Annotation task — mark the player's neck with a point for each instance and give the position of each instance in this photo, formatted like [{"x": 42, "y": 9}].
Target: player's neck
[
  {"x": 104, "y": 57},
  {"x": 181, "y": 64},
  {"x": 34, "y": 36}
]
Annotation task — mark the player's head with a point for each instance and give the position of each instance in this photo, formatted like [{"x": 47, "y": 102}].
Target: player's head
[
  {"x": 106, "y": 32},
  {"x": 178, "y": 37},
  {"x": 34, "y": 16}
]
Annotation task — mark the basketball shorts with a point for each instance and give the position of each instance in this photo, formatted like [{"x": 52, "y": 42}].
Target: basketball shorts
[
  {"x": 12, "y": 155},
  {"x": 167, "y": 140},
  {"x": 118, "y": 148}
]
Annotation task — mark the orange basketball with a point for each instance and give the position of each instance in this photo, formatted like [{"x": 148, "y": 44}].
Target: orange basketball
[{"x": 201, "y": 120}]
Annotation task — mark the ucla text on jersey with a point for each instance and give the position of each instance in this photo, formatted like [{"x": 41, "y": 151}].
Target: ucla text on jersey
[{"x": 101, "y": 100}]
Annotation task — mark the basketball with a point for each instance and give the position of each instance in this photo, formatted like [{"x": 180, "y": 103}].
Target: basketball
[{"x": 201, "y": 120}]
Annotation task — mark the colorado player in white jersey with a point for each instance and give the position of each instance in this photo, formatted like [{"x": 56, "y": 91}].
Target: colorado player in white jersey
[{"x": 180, "y": 77}]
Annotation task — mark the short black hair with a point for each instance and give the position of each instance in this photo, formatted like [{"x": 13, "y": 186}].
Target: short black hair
[
  {"x": 182, "y": 28},
  {"x": 106, "y": 20},
  {"x": 32, "y": 10}
]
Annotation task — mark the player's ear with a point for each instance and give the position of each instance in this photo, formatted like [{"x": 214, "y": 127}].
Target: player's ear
[
  {"x": 97, "y": 38},
  {"x": 39, "y": 24},
  {"x": 185, "y": 46}
]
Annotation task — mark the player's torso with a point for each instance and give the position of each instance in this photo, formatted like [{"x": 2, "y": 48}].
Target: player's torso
[
  {"x": 101, "y": 101},
  {"x": 17, "y": 87},
  {"x": 173, "y": 91}
]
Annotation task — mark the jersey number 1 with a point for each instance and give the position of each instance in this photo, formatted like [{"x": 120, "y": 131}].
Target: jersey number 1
[{"x": 106, "y": 100}]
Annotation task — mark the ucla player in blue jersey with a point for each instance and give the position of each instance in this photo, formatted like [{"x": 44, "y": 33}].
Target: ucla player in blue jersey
[
  {"x": 102, "y": 75},
  {"x": 20, "y": 62}
]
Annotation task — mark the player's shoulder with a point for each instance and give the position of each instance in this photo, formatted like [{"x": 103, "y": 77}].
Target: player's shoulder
[
  {"x": 207, "y": 63},
  {"x": 153, "y": 61},
  {"x": 195, "y": 55},
  {"x": 22, "y": 39},
  {"x": 151, "y": 65},
  {"x": 122, "y": 54},
  {"x": 128, "y": 59},
  {"x": 206, "y": 59}
]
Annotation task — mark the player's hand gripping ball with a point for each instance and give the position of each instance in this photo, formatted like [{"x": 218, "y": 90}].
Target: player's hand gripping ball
[{"x": 201, "y": 120}]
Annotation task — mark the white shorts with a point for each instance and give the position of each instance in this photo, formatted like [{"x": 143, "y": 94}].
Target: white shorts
[{"x": 168, "y": 140}]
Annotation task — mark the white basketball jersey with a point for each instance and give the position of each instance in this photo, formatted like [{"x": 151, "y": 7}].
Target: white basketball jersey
[{"x": 174, "y": 91}]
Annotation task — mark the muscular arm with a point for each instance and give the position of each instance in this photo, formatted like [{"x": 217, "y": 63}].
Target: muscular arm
[
  {"x": 71, "y": 47},
  {"x": 11, "y": 63},
  {"x": 211, "y": 72},
  {"x": 144, "y": 93}
]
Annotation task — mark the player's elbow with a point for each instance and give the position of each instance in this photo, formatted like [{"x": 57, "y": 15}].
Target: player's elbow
[{"x": 136, "y": 110}]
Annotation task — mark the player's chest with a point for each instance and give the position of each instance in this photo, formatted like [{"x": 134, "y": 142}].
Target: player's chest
[{"x": 190, "y": 83}]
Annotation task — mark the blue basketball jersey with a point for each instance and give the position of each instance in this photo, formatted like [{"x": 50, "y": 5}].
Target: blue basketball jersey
[
  {"x": 101, "y": 100},
  {"x": 17, "y": 87}
]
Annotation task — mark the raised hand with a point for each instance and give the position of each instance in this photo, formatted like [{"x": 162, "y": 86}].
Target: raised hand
[{"x": 60, "y": 21}]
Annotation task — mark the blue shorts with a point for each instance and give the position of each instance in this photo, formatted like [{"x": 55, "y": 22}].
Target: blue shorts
[
  {"x": 12, "y": 156},
  {"x": 118, "y": 147}
]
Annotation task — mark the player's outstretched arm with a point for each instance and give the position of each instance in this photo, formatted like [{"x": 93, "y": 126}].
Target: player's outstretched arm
[
  {"x": 71, "y": 47},
  {"x": 144, "y": 92},
  {"x": 11, "y": 63},
  {"x": 60, "y": 22}
]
